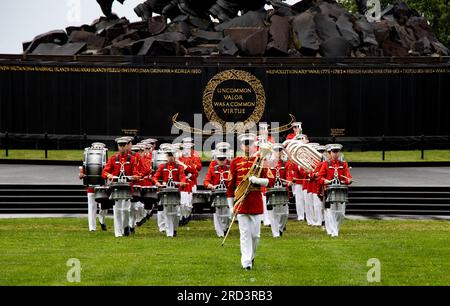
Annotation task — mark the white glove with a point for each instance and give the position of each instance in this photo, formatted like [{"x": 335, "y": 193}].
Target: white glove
[
  {"x": 259, "y": 181},
  {"x": 230, "y": 202}
]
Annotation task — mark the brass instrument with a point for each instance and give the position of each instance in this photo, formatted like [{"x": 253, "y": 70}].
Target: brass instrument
[
  {"x": 244, "y": 187},
  {"x": 303, "y": 155}
]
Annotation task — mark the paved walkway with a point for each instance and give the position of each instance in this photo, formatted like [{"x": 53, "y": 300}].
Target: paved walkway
[{"x": 63, "y": 175}]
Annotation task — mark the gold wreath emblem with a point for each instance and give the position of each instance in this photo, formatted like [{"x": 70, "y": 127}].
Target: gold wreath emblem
[{"x": 240, "y": 75}]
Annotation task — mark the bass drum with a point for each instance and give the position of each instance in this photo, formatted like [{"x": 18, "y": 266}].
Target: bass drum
[
  {"x": 160, "y": 158},
  {"x": 94, "y": 162}
]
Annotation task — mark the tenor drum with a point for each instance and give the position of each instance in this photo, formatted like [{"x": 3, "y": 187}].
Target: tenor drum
[
  {"x": 149, "y": 196},
  {"x": 120, "y": 191},
  {"x": 201, "y": 197},
  {"x": 219, "y": 198},
  {"x": 336, "y": 193},
  {"x": 170, "y": 199},
  {"x": 94, "y": 161},
  {"x": 136, "y": 193},
  {"x": 276, "y": 196}
]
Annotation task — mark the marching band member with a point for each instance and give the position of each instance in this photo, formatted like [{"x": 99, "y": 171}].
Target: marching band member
[
  {"x": 170, "y": 172},
  {"x": 297, "y": 176},
  {"x": 316, "y": 192},
  {"x": 116, "y": 163},
  {"x": 263, "y": 137},
  {"x": 146, "y": 171},
  {"x": 334, "y": 168},
  {"x": 249, "y": 214},
  {"x": 297, "y": 130},
  {"x": 191, "y": 173},
  {"x": 279, "y": 213},
  {"x": 217, "y": 176},
  {"x": 309, "y": 187},
  {"x": 92, "y": 208}
]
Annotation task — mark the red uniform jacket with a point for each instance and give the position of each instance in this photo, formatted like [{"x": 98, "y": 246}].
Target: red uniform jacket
[
  {"x": 163, "y": 173},
  {"x": 327, "y": 171},
  {"x": 114, "y": 164},
  {"x": 296, "y": 174},
  {"x": 252, "y": 204},
  {"x": 213, "y": 175},
  {"x": 291, "y": 136},
  {"x": 279, "y": 165},
  {"x": 145, "y": 170}
]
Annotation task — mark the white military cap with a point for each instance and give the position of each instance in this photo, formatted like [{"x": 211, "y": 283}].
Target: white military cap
[
  {"x": 122, "y": 140},
  {"x": 129, "y": 138},
  {"x": 221, "y": 153},
  {"x": 296, "y": 124},
  {"x": 250, "y": 137},
  {"x": 263, "y": 125},
  {"x": 150, "y": 140},
  {"x": 98, "y": 145},
  {"x": 187, "y": 140},
  {"x": 223, "y": 145},
  {"x": 334, "y": 146},
  {"x": 136, "y": 148},
  {"x": 321, "y": 148},
  {"x": 187, "y": 145},
  {"x": 176, "y": 146}
]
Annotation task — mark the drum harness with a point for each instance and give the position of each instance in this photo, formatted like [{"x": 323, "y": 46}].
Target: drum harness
[
  {"x": 122, "y": 178},
  {"x": 221, "y": 185}
]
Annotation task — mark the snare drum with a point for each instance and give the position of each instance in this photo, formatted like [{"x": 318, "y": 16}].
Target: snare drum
[
  {"x": 102, "y": 194},
  {"x": 276, "y": 196},
  {"x": 219, "y": 198},
  {"x": 201, "y": 197},
  {"x": 120, "y": 191},
  {"x": 336, "y": 193},
  {"x": 170, "y": 200},
  {"x": 149, "y": 196}
]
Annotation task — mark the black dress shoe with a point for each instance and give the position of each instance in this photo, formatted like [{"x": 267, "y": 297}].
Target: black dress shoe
[
  {"x": 174, "y": 233},
  {"x": 281, "y": 233},
  {"x": 248, "y": 268},
  {"x": 126, "y": 231},
  {"x": 253, "y": 262},
  {"x": 132, "y": 230},
  {"x": 104, "y": 228}
]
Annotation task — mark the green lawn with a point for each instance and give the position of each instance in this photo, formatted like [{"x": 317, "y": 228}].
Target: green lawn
[
  {"x": 368, "y": 156},
  {"x": 35, "y": 252}
]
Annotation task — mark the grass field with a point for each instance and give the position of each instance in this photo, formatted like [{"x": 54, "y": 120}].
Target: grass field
[
  {"x": 368, "y": 156},
  {"x": 35, "y": 252}
]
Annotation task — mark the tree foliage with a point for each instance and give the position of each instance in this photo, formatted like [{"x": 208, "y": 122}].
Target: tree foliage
[{"x": 437, "y": 13}]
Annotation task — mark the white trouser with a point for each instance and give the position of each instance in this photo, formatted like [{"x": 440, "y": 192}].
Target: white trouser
[
  {"x": 102, "y": 215},
  {"x": 266, "y": 217},
  {"x": 309, "y": 210},
  {"x": 250, "y": 230},
  {"x": 299, "y": 201},
  {"x": 194, "y": 188},
  {"x": 221, "y": 220},
  {"x": 172, "y": 220},
  {"x": 92, "y": 212},
  {"x": 280, "y": 214},
  {"x": 133, "y": 215},
  {"x": 141, "y": 213},
  {"x": 318, "y": 210},
  {"x": 121, "y": 216},
  {"x": 334, "y": 216},
  {"x": 162, "y": 221},
  {"x": 186, "y": 204}
]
